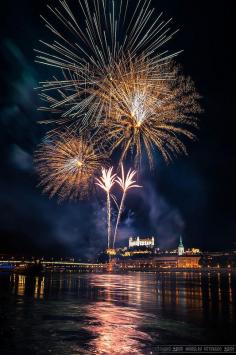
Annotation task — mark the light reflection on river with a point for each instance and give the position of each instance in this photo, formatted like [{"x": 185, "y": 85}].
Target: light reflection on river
[{"x": 114, "y": 314}]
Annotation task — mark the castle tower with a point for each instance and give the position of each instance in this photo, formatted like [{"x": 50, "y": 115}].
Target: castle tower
[{"x": 180, "y": 247}]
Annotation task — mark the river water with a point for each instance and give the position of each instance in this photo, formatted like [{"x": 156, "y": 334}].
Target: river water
[{"x": 133, "y": 313}]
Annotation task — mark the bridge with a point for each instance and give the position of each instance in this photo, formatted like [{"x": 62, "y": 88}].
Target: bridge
[{"x": 55, "y": 265}]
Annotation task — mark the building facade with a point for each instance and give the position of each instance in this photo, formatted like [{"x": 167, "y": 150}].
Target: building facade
[{"x": 161, "y": 262}]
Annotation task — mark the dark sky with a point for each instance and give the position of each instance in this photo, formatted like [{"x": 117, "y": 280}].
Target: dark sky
[{"x": 192, "y": 196}]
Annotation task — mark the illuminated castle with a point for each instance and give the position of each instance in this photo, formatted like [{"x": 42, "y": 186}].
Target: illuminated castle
[
  {"x": 141, "y": 242},
  {"x": 180, "y": 247}
]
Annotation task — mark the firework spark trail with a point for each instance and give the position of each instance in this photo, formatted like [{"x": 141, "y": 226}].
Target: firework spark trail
[
  {"x": 67, "y": 165},
  {"x": 106, "y": 181},
  {"x": 87, "y": 49},
  {"x": 126, "y": 183},
  {"x": 148, "y": 106}
]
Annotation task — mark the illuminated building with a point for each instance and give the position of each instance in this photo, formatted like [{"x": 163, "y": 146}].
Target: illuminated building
[
  {"x": 191, "y": 262},
  {"x": 162, "y": 262},
  {"x": 192, "y": 251},
  {"x": 111, "y": 251},
  {"x": 141, "y": 242},
  {"x": 180, "y": 247}
]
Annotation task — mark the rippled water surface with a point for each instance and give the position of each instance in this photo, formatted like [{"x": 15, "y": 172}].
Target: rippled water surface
[{"x": 115, "y": 313}]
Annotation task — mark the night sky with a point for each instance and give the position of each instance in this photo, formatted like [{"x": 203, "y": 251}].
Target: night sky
[{"x": 192, "y": 196}]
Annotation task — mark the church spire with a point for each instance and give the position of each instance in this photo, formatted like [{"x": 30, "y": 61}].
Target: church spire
[{"x": 181, "y": 246}]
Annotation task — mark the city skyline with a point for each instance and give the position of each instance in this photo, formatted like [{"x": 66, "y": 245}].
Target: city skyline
[{"x": 142, "y": 244}]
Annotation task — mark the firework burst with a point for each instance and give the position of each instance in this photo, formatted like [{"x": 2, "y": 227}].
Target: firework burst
[
  {"x": 67, "y": 165},
  {"x": 146, "y": 106},
  {"x": 126, "y": 183},
  {"x": 106, "y": 181},
  {"x": 86, "y": 49}
]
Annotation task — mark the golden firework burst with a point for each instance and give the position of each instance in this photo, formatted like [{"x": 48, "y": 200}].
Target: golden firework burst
[
  {"x": 67, "y": 165},
  {"x": 146, "y": 106}
]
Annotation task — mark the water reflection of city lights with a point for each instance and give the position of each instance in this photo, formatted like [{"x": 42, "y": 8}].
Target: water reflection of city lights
[
  {"x": 124, "y": 313},
  {"x": 21, "y": 285},
  {"x": 115, "y": 329},
  {"x": 39, "y": 287}
]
